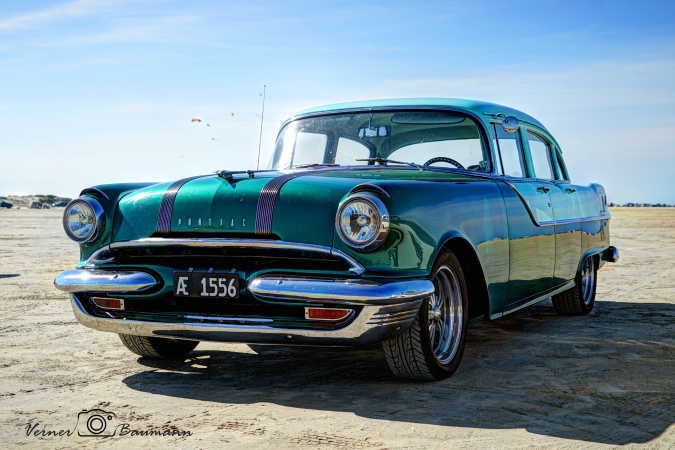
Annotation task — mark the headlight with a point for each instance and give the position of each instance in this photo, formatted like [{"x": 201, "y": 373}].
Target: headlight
[
  {"x": 83, "y": 219},
  {"x": 362, "y": 221}
]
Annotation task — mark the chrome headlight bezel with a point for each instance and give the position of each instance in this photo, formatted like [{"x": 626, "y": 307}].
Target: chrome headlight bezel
[
  {"x": 98, "y": 215},
  {"x": 382, "y": 227}
]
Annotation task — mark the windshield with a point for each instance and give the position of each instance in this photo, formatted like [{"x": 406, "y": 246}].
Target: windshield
[{"x": 401, "y": 136}]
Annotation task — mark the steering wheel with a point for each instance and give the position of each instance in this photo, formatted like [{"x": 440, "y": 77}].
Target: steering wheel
[{"x": 444, "y": 159}]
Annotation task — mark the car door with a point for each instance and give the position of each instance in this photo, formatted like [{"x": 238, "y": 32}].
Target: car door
[
  {"x": 568, "y": 228},
  {"x": 530, "y": 218}
]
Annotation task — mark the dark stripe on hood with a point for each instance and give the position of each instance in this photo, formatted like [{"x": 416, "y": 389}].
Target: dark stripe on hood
[
  {"x": 270, "y": 192},
  {"x": 166, "y": 207}
]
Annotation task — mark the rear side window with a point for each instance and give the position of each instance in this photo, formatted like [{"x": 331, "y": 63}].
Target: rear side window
[
  {"x": 510, "y": 157},
  {"x": 541, "y": 157}
]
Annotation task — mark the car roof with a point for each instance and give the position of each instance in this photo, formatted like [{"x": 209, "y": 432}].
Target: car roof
[{"x": 477, "y": 107}]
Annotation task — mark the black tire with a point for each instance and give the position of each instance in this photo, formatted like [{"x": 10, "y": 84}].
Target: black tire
[
  {"x": 410, "y": 354},
  {"x": 580, "y": 299},
  {"x": 158, "y": 348}
]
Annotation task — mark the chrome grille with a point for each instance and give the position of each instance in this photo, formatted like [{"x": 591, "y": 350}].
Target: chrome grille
[{"x": 243, "y": 254}]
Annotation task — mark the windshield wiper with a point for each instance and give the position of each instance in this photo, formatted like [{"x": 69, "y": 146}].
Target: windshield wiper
[
  {"x": 384, "y": 161},
  {"x": 304, "y": 166}
]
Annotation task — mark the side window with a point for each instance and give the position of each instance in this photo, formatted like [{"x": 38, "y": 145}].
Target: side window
[
  {"x": 541, "y": 157},
  {"x": 508, "y": 151},
  {"x": 306, "y": 145},
  {"x": 348, "y": 151},
  {"x": 561, "y": 165}
]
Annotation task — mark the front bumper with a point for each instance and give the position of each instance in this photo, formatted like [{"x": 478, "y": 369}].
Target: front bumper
[{"x": 384, "y": 307}]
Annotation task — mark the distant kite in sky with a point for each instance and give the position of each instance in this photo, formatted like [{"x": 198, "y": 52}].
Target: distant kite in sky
[{"x": 195, "y": 119}]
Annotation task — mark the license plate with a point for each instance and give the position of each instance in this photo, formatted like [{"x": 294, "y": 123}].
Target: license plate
[{"x": 205, "y": 285}]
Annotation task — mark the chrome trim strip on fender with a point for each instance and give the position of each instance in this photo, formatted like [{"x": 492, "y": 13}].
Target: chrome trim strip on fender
[
  {"x": 80, "y": 280},
  {"x": 100, "y": 257},
  {"x": 94, "y": 191},
  {"x": 579, "y": 220},
  {"x": 353, "y": 292},
  {"x": 548, "y": 223},
  {"x": 369, "y": 187},
  {"x": 569, "y": 285}
]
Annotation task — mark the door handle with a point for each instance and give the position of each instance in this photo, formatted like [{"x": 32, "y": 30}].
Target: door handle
[
  {"x": 543, "y": 189},
  {"x": 570, "y": 190}
]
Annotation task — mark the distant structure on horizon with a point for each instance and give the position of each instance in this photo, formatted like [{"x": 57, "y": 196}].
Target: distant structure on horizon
[{"x": 641, "y": 205}]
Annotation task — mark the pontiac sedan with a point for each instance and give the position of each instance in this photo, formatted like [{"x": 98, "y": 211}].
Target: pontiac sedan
[{"x": 390, "y": 222}]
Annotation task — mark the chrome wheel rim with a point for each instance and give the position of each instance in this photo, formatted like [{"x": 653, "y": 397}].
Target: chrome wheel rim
[
  {"x": 445, "y": 314},
  {"x": 587, "y": 280}
]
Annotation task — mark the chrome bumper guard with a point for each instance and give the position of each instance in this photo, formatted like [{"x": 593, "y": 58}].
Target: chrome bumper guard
[
  {"x": 350, "y": 292},
  {"x": 387, "y": 308},
  {"x": 78, "y": 280}
]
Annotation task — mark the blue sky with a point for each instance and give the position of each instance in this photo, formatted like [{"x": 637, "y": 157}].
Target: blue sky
[{"x": 97, "y": 91}]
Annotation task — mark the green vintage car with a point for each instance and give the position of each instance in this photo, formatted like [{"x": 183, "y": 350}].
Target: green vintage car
[{"x": 392, "y": 222}]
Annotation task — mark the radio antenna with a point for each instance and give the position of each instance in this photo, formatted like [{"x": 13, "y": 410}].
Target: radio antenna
[{"x": 262, "y": 119}]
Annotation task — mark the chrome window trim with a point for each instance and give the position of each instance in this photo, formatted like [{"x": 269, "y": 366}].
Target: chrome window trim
[
  {"x": 521, "y": 154},
  {"x": 549, "y": 152},
  {"x": 98, "y": 257}
]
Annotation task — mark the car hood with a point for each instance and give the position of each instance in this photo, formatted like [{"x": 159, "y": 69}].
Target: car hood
[{"x": 303, "y": 209}]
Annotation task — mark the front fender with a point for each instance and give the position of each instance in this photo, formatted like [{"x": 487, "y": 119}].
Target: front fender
[
  {"x": 108, "y": 195},
  {"x": 424, "y": 215}
]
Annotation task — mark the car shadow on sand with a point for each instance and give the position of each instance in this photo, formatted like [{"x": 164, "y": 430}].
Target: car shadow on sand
[{"x": 608, "y": 378}]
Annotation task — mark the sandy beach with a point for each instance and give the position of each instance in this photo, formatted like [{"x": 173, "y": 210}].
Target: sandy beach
[{"x": 533, "y": 379}]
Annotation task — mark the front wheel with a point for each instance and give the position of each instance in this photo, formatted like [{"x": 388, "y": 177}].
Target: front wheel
[
  {"x": 581, "y": 298},
  {"x": 432, "y": 348},
  {"x": 158, "y": 348}
]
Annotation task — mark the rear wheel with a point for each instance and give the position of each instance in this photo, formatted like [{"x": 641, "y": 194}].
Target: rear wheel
[
  {"x": 432, "y": 348},
  {"x": 581, "y": 298},
  {"x": 158, "y": 348}
]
